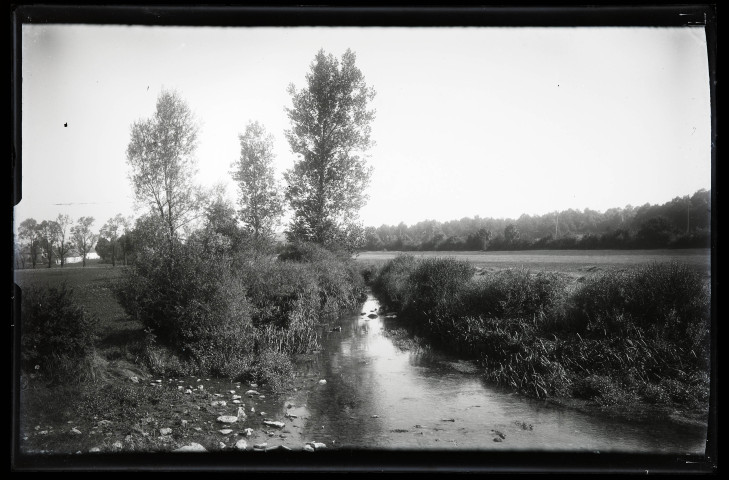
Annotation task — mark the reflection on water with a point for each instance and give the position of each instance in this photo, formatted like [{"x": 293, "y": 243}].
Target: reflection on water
[{"x": 377, "y": 396}]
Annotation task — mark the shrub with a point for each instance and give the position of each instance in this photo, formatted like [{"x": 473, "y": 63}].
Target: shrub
[
  {"x": 310, "y": 284},
  {"x": 273, "y": 369},
  {"x": 57, "y": 334},
  {"x": 664, "y": 301},
  {"x": 517, "y": 293},
  {"x": 192, "y": 304},
  {"x": 437, "y": 284},
  {"x": 393, "y": 281}
]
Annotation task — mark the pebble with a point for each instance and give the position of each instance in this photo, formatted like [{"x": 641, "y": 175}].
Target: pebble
[
  {"x": 252, "y": 392},
  {"x": 188, "y": 391},
  {"x": 76, "y": 431},
  {"x": 165, "y": 431},
  {"x": 248, "y": 432},
  {"x": 232, "y": 391},
  {"x": 221, "y": 445},
  {"x": 134, "y": 379},
  {"x": 226, "y": 431},
  {"x": 236, "y": 402},
  {"x": 308, "y": 448},
  {"x": 241, "y": 444},
  {"x": 118, "y": 445},
  {"x": 94, "y": 450},
  {"x": 273, "y": 424},
  {"x": 193, "y": 447},
  {"x": 322, "y": 382}
]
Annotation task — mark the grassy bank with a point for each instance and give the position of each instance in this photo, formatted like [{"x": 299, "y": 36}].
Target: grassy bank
[
  {"x": 613, "y": 338},
  {"x": 86, "y": 332}
]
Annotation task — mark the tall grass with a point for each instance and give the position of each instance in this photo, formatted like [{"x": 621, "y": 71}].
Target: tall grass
[{"x": 619, "y": 337}]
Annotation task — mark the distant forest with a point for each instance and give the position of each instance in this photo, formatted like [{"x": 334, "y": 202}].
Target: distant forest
[{"x": 684, "y": 222}]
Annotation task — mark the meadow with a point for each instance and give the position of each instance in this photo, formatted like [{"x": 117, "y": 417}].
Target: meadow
[{"x": 574, "y": 262}]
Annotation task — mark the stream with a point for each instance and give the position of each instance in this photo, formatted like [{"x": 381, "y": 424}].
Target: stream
[{"x": 375, "y": 395}]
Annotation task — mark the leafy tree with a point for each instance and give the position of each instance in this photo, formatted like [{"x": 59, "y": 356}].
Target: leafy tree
[
  {"x": 28, "y": 231},
  {"x": 63, "y": 243},
  {"x": 220, "y": 233},
  {"x": 259, "y": 195},
  {"x": 511, "y": 234},
  {"x": 103, "y": 249},
  {"x": 656, "y": 232},
  {"x": 160, "y": 153},
  {"x": 83, "y": 237},
  {"x": 111, "y": 231},
  {"x": 48, "y": 235},
  {"x": 330, "y": 134}
]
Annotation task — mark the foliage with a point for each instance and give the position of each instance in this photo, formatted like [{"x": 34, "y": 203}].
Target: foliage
[
  {"x": 56, "y": 332},
  {"x": 29, "y": 232},
  {"x": 260, "y": 199},
  {"x": 111, "y": 232},
  {"x": 83, "y": 237},
  {"x": 662, "y": 301},
  {"x": 160, "y": 154},
  {"x": 48, "y": 236},
  {"x": 63, "y": 245},
  {"x": 330, "y": 132},
  {"x": 191, "y": 303},
  {"x": 618, "y": 338},
  {"x": 681, "y": 223}
]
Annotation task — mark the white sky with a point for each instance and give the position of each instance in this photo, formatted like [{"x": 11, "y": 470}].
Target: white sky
[{"x": 493, "y": 122}]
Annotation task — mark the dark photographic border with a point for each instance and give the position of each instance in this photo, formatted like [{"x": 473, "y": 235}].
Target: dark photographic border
[{"x": 367, "y": 15}]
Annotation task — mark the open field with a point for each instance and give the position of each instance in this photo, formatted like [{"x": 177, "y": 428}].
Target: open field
[
  {"x": 575, "y": 262},
  {"x": 92, "y": 287}
]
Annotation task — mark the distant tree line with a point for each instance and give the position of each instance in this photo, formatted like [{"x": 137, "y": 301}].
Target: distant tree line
[{"x": 684, "y": 222}]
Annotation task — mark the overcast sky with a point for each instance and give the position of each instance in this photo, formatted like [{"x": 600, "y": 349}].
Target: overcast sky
[{"x": 493, "y": 122}]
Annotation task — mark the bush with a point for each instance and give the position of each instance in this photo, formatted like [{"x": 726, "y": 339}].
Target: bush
[
  {"x": 517, "y": 293},
  {"x": 57, "y": 334},
  {"x": 191, "y": 303},
  {"x": 436, "y": 286},
  {"x": 273, "y": 369},
  {"x": 664, "y": 301},
  {"x": 392, "y": 284}
]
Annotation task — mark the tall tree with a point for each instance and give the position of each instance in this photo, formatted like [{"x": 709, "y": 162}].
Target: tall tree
[
  {"x": 260, "y": 199},
  {"x": 111, "y": 231},
  {"x": 48, "y": 234},
  {"x": 28, "y": 232},
  {"x": 160, "y": 154},
  {"x": 63, "y": 243},
  {"x": 330, "y": 134},
  {"x": 83, "y": 237}
]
